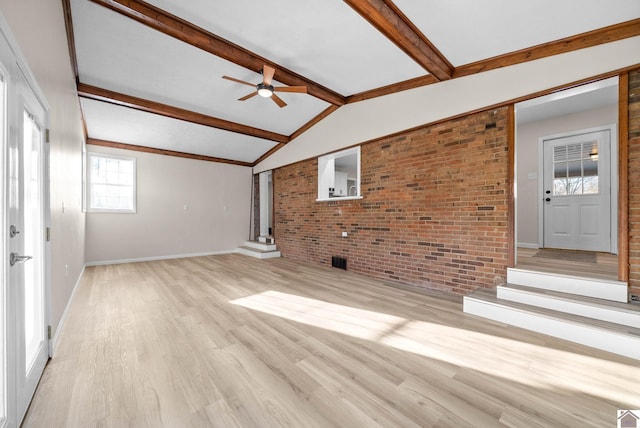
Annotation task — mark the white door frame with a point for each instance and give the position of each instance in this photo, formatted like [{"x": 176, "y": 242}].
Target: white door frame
[{"x": 612, "y": 128}]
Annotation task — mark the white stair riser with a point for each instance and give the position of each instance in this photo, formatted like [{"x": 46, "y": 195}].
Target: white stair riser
[
  {"x": 569, "y": 306},
  {"x": 259, "y": 255},
  {"x": 609, "y": 290},
  {"x": 614, "y": 342},
  {"x": 260, "y": 246}
]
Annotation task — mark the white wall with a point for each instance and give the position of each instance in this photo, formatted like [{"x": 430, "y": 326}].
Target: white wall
[
  {"x": 359, "y": 122},
  {"x": 38, "y": 27},
  {"x": 527, "y": 162},
  {"x": 218, "y": 199}
]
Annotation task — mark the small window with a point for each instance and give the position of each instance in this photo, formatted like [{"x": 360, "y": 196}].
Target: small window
[
  {"x": 339, "y": 175},
  {"x": 575, "y": 169},
  {"x": 111, "y": 183}
]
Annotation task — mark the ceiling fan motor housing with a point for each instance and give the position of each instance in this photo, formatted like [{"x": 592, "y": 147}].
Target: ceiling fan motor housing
[{"x": 264, "y": 90}]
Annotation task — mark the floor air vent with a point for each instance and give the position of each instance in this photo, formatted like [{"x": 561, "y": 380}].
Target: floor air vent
[{"x": 339, "y": 262}]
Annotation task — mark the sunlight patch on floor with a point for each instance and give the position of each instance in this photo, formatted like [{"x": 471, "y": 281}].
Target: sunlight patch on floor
[
  {"x": 457, "y": 346},
  {"x": 347, "y": 320}
]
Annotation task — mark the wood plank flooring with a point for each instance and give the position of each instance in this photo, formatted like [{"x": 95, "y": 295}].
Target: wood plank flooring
[
  {"x": 605, "y": 267},
  {"x": 232, "y": 341}
]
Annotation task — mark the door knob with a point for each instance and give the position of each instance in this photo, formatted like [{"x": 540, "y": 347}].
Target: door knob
[
  {"x": 13, "y": 231},
  {"x": 548, "y": 199},
  {"x": 17, "y": 258}
]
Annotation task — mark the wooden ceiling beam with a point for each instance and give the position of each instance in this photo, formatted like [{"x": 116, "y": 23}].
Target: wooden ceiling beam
[
  {"x": 145, "y": 149},
  {"x": 416, "y": 82},
  {"x": 189, "y": 33},
  {"x": 310, "y": 124},
  {"x": 68, "y": 25},
  {"x": 589, "y": 39},
  {"x": 388, "y": 19},
  {"x": 585, "y": 40},
  {"x": 100, "y": 94}
]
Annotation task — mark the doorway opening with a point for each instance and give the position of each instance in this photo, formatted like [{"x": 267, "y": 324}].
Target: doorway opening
[
  {"x": 566, "y": 181},
  {"x": 262, "y": 227}
]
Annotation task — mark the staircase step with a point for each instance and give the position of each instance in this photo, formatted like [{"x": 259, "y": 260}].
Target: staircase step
[
  {"x": 607, "y": 336},
  {"x": 260, "y": 245},
  {"x": 616, "y": 291},
  {"x": 590, "y": 307},
  {"x": 257, "y": 253}
]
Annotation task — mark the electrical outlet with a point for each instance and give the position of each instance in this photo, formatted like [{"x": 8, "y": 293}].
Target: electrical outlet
[
  {"x": 344, "y": 234},
  {"x": 66, "y": 270}
]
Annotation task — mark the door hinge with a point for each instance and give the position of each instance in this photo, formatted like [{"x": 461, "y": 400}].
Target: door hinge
[
  {"x": 49, "y": 332},
  {"x": 46, "y": 135},
  {"x": 48, "y": 234}
]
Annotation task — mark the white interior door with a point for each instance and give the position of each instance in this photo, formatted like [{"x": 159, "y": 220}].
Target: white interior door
[
  {"x": 577, "y": 192},
  {"x": 26, "y": 248}
]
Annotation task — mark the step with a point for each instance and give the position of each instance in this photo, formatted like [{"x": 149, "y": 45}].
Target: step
[
  {"x": 604, "y": 310},
  {"x": 257, "y": 253},
  {"x": 614, "y": 338},
  {"x": 260, "y": 245},
  {"x": 616, "y": 291}
]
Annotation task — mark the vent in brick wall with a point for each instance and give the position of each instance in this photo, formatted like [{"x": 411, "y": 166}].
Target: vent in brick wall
[{"x": 339, "y": 262}]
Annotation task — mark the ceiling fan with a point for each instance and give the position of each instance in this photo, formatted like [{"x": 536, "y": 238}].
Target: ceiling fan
[{"x": 266, "y": 89}]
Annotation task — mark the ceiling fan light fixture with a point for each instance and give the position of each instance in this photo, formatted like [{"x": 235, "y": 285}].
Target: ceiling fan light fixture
[{"x": 264, "y": 90}]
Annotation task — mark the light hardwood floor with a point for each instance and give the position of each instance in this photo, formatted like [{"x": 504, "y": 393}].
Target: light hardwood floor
[{"x": 232, "y": 341}]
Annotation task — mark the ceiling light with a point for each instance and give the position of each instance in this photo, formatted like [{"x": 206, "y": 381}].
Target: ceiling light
[{"x": 265, "y": 90}]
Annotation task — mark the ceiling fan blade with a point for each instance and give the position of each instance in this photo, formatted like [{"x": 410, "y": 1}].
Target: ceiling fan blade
[
  {"x": 276, "y": 99},
  {"x": 246, "y": 97},
  {"x": 300, "y": 89},
  {"x": 233, "y": 79},
  {"x": 267, "y": 74}
]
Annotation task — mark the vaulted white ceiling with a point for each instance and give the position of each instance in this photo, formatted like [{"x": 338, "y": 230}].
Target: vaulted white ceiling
[{"x": 143, "y": 87}]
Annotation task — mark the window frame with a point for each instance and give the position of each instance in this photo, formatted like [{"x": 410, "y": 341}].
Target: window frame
[
  {"x": 325, "y": 171},
  {"x": 89, "y": 184}
]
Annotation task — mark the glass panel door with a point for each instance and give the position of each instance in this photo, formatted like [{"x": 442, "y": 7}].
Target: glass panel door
[
  {"x": 34, "y": 334},
  {"x": 26, "y": 246},
  {"x": 5, "y": 233}
]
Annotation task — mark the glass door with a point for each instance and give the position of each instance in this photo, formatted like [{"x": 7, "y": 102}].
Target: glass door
[
  {"x": 4, "y": 381},
  {"x": 26, "y": 242}
]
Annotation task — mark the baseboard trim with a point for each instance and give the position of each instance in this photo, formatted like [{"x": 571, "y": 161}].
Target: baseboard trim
[
  {"x": 54, "y": 340},
  {"x": 155, "y": 258}
]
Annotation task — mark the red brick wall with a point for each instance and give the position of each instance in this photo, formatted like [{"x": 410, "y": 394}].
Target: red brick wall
[
  {"x": 634, "y": 182},
  {"x": 433, "y": 213}
]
